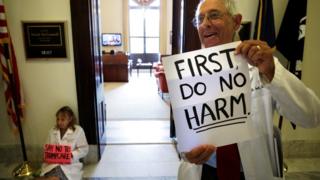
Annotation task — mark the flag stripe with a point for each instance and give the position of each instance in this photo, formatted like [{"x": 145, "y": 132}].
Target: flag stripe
[
  {"x": 3, "y": 23},
  {"x": 9, "y": 70},
  {"x": 1, "y": 7},
  {"x": 2, "y": 16}
]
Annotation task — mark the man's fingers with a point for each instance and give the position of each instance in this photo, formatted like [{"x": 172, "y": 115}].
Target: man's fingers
[
  {"x": 253, "y": 50},
  {"x": 205, "y": 156},
  {"x": 200, "y": 154},
  {"x": 195, "y": 152}
]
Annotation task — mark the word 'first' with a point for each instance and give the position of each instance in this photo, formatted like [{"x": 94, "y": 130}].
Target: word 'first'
[{"x": 201, "y": 63}]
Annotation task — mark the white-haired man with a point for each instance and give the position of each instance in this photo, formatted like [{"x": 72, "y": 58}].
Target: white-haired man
[{"x": 273, "y": 88}]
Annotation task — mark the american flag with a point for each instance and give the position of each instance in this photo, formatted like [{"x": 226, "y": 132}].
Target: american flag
[{"x": 9, "y": 70}]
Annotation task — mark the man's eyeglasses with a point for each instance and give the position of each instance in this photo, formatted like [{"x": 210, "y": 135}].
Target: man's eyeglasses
[{"x": 211, "y": 15}]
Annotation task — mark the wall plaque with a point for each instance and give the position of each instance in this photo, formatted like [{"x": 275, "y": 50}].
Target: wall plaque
[{"x": 44, "y": 39}]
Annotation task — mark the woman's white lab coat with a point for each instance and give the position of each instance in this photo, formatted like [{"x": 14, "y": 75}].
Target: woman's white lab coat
[
  {"x": 292, "y": 99},
  {"x": 78, "y": 142}
]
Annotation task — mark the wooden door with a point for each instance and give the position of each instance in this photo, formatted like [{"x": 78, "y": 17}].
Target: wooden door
[
  {"x": 184, "y": 35},
  {"x": 191, "y": 39},
  {"x": 177, "y": 36},
  {"x": 88, "y": 67}
]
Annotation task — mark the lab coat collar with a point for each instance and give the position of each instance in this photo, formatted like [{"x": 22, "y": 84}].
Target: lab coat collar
[{"x": 56, "y": 132}]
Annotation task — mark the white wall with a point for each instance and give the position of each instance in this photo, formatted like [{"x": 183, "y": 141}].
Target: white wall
[
  {"x": 169, "y": 26},
  {"x": 47, "y": 83},
  {"x": 112, "y": 20}
]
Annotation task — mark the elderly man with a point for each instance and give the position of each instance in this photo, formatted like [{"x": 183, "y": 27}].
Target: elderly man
[{"x": 273, "y": 88}]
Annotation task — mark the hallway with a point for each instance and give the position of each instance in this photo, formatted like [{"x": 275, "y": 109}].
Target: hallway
[
  {"x": 135, "y": 111},
  {"x": 137, "y": 133}
]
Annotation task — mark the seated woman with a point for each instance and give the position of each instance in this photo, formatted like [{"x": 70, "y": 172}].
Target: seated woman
[{"x": 67, "y": 134}]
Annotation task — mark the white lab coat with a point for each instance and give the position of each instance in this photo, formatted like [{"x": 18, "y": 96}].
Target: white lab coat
[
  {"x": 292, "y": 99},
  {"x": 78, "y": 142}
]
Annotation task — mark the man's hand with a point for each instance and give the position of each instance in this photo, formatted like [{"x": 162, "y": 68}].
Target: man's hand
[
  {"x": 200, "y": 154},
  {"x": 259, "y": 54}
]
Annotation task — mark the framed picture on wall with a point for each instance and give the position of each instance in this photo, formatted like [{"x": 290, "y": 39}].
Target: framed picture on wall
[{"x": 44, "y": 39}]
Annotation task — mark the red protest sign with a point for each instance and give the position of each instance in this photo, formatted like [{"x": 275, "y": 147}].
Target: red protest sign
[{"x": 57, "y": 154}]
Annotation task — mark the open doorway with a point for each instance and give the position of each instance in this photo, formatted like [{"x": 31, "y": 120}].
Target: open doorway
[
  {"x": 136, "y": 113},
  {"x": 87, "y": 56}
]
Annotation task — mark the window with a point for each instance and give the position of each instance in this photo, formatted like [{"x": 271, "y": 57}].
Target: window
[{"x": 144, "y": 28}]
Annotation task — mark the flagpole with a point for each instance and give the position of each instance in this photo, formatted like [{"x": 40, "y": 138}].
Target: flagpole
[
  {"x": 25, "y": 168},
  {"x": 23, "y": 146}
]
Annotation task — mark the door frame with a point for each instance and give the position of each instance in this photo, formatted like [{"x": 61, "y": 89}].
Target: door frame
[
  {"x": 85, "y": 62},
  {"x": 85, "y": 59}
]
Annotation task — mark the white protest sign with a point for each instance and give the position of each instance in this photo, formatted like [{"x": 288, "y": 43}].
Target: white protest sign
[{"x": 210, "y": 96}]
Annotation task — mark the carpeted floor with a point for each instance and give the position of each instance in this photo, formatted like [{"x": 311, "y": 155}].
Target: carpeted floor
[
  {"x": 136, "y": 113},
  {"x": 138, "y": 132},
  {"x": 136, "y": 100}
]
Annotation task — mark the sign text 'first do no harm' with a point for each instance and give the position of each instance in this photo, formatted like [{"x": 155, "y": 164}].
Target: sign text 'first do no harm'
[{"x": 210, "y": 96}]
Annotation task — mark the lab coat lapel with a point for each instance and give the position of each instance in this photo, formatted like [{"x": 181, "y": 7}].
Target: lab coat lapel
[{"x": 255, "y": 152}]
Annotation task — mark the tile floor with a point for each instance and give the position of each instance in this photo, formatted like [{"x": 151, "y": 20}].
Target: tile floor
[
  {"x": 160, "y": 162},
  {"x": 164, "y": 168},
  {"x": 151, "y": 161},
  {"x": 136, "y": 150}
]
